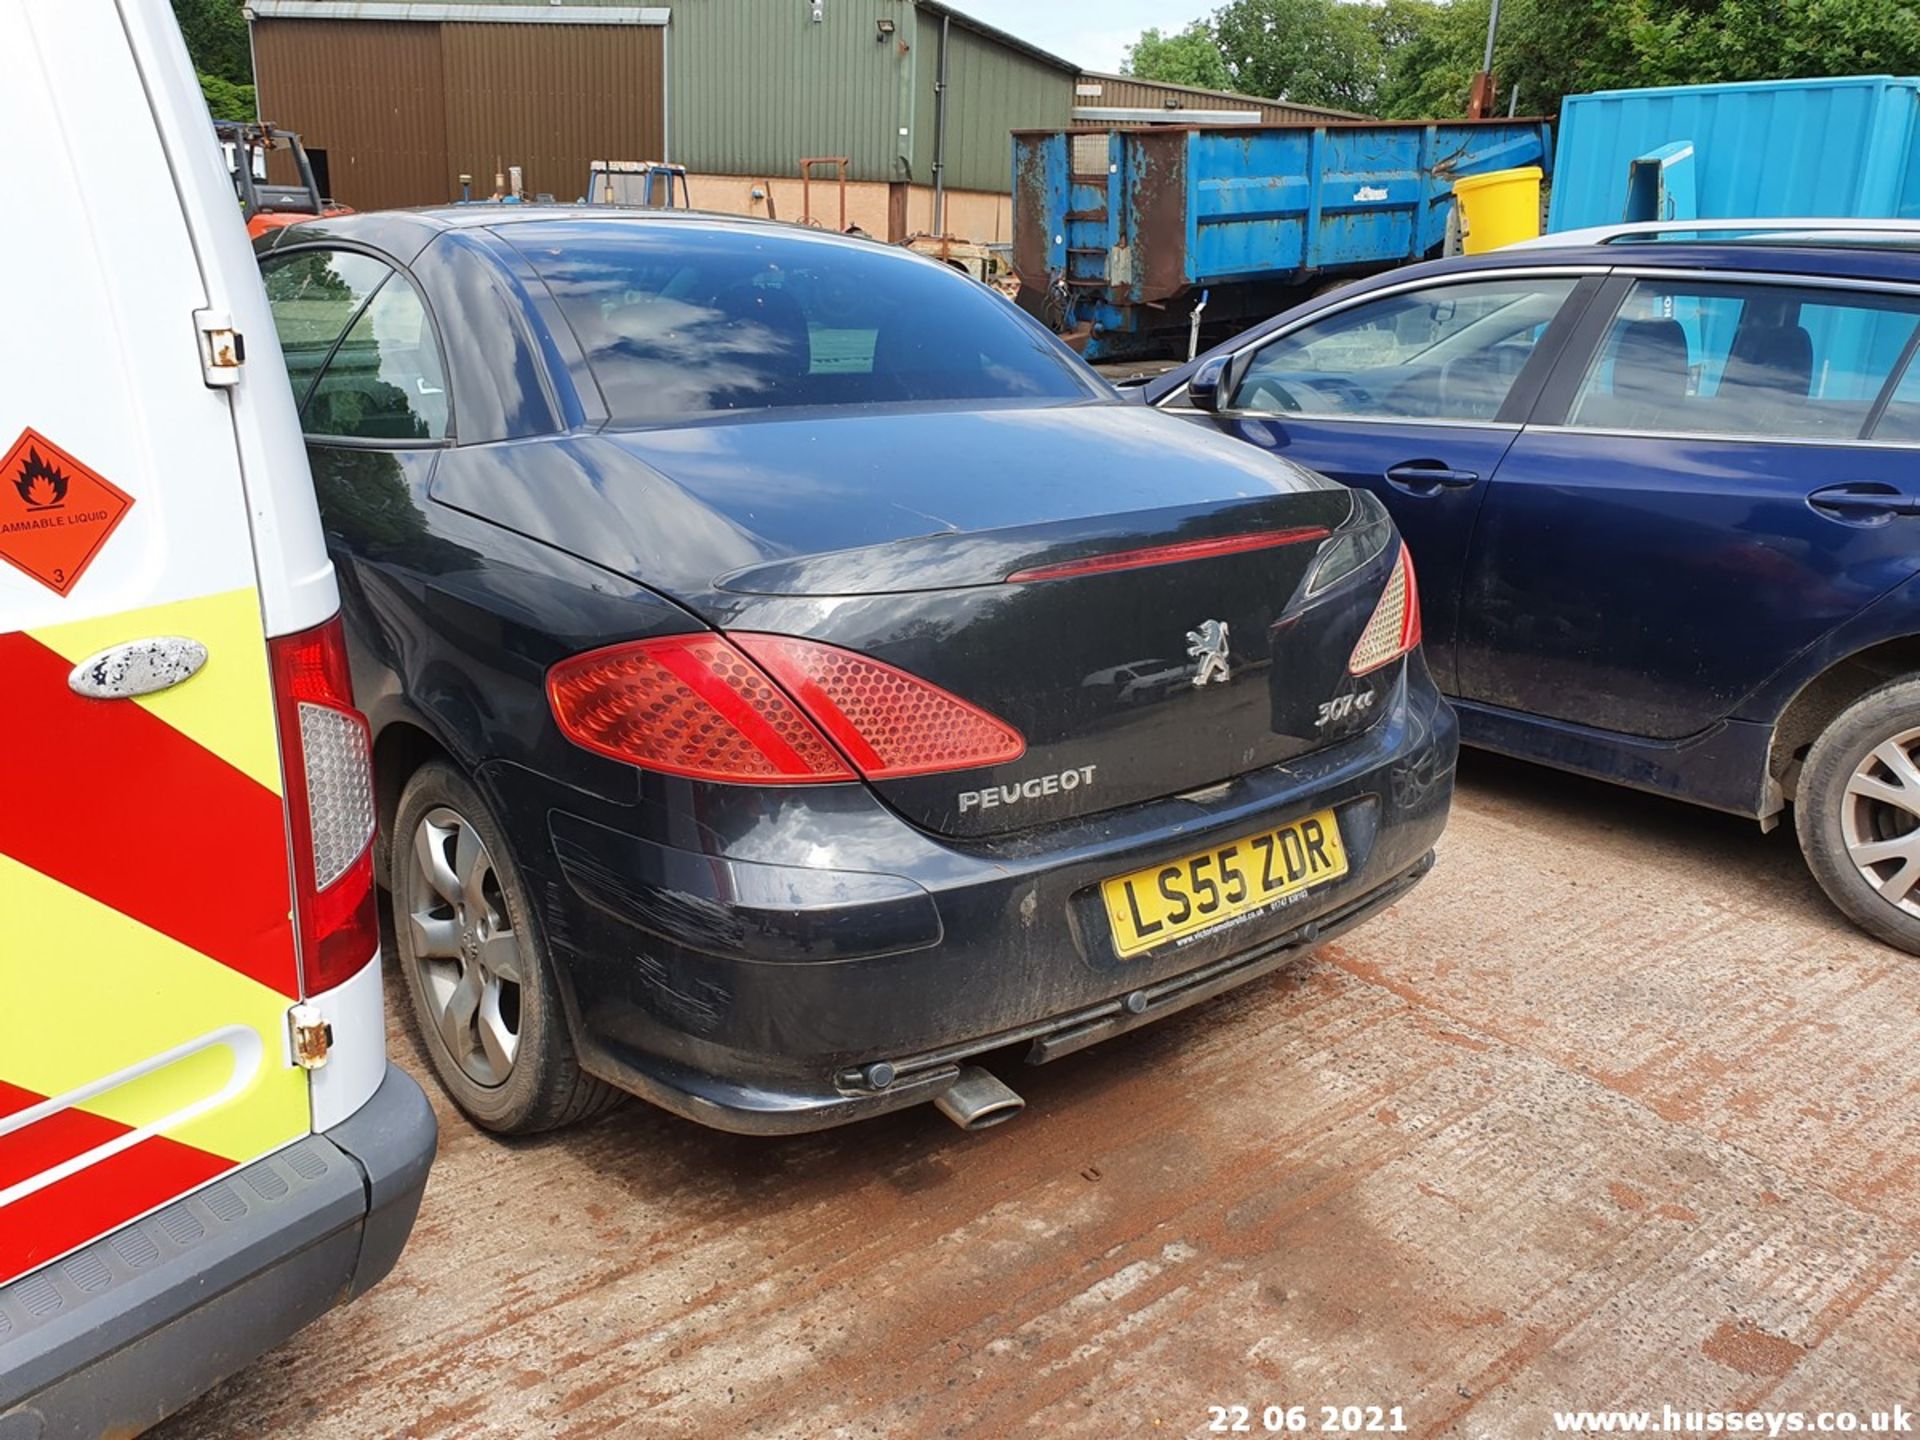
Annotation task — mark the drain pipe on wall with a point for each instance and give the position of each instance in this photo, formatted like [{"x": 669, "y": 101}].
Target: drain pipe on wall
[
  {"x": 253, "y": 69},
  {"x": 940, "y": 133}
]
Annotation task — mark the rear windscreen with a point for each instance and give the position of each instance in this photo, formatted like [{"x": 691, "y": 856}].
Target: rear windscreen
[{"x": 678, "y": 321}]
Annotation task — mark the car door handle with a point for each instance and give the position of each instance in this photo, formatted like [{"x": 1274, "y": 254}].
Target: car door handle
[
  {"x": 1429, "y": 477},
  {"x": 139, "y": 667},
  {"x": 1863, "y": 503}
]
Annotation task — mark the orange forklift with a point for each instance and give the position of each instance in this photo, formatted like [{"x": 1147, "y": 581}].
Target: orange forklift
[{"x": 264, "y": 206}]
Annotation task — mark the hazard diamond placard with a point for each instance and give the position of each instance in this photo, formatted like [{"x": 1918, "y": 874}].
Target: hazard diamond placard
[{"x": 55, "y": 512}]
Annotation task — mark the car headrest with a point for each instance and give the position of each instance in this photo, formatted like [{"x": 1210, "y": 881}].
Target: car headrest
[
  {"x": 1775, "y": 358},
  {"x": 1650, "y": 361},
  {"x": 766, "y": 329}
]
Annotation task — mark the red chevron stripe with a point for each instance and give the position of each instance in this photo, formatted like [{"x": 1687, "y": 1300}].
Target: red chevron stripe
[
  {"x": 13, "y": 1098},
  {"x": 46, "y": 1143},
  {"x": 109, "y": 800},
  {"x": 101, "y": 1198}
]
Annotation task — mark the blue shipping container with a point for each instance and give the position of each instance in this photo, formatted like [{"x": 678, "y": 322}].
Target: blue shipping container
[
  {"x": 1117, "y": 226},
  {"x": 1843, "y": 147}
]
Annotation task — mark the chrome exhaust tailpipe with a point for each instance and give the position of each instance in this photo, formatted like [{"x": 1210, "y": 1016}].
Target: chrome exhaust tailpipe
[{"x": 977, "y": 1100}]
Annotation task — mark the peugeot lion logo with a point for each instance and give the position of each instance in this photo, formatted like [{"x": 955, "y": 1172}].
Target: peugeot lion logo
[{"x": 1208, "y": 645}]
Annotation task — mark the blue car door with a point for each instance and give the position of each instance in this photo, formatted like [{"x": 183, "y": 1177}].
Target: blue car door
[
  {"x": 1698, "y": 497},
  {"x": 1415, "y": 394}
]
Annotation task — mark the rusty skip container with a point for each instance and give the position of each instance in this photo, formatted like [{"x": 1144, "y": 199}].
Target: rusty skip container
[{"x": 1117, "y": 233}]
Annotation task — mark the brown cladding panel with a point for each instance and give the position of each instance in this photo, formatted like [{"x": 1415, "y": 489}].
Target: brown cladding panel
[
  {"x": 1126, "y": 92},
  {"x": 370, "y": 94},
  {"x": 551, "y": 99}
]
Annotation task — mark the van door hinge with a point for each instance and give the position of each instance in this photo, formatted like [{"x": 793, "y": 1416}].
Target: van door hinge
[
  {"x": 223, "y": 349},
  {"x": 311, "y": 1034}
]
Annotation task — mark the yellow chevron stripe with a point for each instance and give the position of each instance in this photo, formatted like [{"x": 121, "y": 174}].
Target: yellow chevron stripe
[
  {"x": 90, "y": 992},
  {"x": 228, "y": 706}
]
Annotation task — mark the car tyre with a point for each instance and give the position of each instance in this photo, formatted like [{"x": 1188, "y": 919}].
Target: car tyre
[
  {"x": 475, "y": 965},
  {"x": 1857, "y": 813}
]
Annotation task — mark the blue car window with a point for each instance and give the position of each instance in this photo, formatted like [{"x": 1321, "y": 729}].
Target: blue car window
[
  {"x": 678, "y": 322},
  {"x": 1902, "y": 419},
  {"x": 1785, "y": 361},
  {"x": 1451, "y": 352}
]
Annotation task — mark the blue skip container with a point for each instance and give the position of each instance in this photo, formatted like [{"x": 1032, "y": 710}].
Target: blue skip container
[{"x": 1844, "y": 147}]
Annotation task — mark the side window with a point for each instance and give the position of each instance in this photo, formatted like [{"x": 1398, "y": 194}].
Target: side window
[
  {"x": 314, "y": 295},
  {"x": 1784, "y": 361},
  {"x": 1449, "y": 353},
  {"x": 385, "y": 380},
  {"x": 1902, "y": 418}
]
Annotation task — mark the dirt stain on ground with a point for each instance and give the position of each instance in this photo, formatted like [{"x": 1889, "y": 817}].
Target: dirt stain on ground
[{"x": 1741, "y": 1347}]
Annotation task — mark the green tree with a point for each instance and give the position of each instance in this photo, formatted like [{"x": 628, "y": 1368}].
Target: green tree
[
  {"x": 1312, "y": 52},
  {"x": 1552, "y": 49},
  {"x": 216, "y": 36},
  {"x": 1673, "y": 41},
  {"x": 1188, "y": 58},
  {"x": 1548, "y": 47},
  {"x": 226, "y": 100},
  {"x": 1429, "y": 66},
  {"x": 1399, "y": 23},
  {"x": 1407, "y": 59}
]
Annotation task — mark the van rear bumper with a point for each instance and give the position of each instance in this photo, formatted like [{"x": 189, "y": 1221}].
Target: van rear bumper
[{"x": 125, "y": 1331}]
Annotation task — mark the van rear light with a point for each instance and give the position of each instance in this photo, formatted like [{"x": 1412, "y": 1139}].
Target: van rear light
[
  {"x": 1394, "y": 629},
  {"x": 708, "y": 707},
  {"x": 889, "y": 723},
  {"x": 328, "y": 763}
]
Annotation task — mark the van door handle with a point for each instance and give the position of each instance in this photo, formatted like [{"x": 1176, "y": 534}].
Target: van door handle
[
  {"x": 1429, "y": 477},
  {"x": 1870, "y": 502},
  {"x": 139, "y": 667}
]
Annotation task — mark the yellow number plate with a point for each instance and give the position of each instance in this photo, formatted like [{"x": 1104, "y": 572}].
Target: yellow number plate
[{"x": 1154, "y": 906}]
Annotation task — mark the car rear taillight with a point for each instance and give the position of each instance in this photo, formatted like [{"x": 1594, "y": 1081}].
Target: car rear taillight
[
  {"x": 1394, "y": 629},
  {"x": 889, "y": 723},
  {"x": 707, "y": 706},
  {"x": 689, "y": 705},
  {"x": 328, "y": 760}
]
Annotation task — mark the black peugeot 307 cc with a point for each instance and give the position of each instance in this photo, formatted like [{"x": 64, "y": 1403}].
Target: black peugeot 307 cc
[{"x": 794, "y": 673}]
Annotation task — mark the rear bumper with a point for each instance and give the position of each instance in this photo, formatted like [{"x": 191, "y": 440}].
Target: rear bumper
[
  {"x": 120, "y": 1334},
  {"x": 815, "y": 946}
]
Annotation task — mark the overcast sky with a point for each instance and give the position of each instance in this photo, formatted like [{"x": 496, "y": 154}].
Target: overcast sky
[{"x": 1091, "y": 33}]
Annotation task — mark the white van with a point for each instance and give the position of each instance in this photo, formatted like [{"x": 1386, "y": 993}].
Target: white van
[{"x": 202, "y": 1145}]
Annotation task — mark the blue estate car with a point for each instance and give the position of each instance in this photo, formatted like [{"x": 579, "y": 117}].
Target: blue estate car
[{"x": 1663, "y": 495}]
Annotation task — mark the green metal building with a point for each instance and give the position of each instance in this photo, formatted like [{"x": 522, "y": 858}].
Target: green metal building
[
  {"x": 401, "y": 97},
  {"x": 751, "y": 81}
]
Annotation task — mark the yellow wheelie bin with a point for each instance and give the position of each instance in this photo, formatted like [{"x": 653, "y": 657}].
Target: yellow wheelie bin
[{"x": 1498, "y": 208}]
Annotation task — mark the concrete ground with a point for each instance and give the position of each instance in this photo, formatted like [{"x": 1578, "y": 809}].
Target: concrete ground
[{"x": 1612, "y": 1112}]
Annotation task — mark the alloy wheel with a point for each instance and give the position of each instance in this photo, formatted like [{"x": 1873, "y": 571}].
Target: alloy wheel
[
  {"x": 464, "y": 948},
  {"x": 1880, "y": 820}
]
